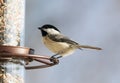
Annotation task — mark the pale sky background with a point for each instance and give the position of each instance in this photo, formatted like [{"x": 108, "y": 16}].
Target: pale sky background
[{"x": 91, "y": 22}]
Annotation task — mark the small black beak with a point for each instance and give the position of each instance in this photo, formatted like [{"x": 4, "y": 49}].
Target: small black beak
[{"x": 39, "y": 28}]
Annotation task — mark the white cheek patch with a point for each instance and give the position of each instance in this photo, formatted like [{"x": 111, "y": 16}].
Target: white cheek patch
[{"x": 52, "y": 31}]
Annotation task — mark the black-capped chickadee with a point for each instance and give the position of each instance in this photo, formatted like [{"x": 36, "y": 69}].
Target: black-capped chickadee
[{"x": 58, "y": 43}]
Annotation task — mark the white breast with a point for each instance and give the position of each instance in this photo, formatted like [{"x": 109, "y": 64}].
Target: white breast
[{"x": 58, "y": 47}]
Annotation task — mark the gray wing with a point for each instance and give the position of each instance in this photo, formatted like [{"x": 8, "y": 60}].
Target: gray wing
[{"x": 62, "y": 38}]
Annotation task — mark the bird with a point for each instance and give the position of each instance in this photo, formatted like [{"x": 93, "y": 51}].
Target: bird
[{"x": 58, "y": 43}]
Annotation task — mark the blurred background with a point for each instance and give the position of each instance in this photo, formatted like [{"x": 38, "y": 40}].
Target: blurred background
[{"x": 90, "y": 22}]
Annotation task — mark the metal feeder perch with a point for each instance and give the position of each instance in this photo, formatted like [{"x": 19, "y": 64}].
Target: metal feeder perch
[
  {"x": 15, "y": 58},
  {"x": 26, "y": 54}
]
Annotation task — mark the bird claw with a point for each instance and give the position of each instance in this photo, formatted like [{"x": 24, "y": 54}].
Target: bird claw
[{"x": 54, "y": 60}]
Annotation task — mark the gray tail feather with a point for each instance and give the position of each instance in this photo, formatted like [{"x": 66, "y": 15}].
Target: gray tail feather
[{"x": 89, "y": 47}]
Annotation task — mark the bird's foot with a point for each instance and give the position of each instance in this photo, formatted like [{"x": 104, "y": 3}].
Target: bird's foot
[{"x": 55, "y": 59}]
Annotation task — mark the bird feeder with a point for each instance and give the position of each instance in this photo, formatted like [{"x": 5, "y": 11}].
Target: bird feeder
[{"x": 14, "y": 57}]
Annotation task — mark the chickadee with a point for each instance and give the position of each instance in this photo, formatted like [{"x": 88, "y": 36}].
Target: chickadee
[{"x": 58, "y": 43}]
